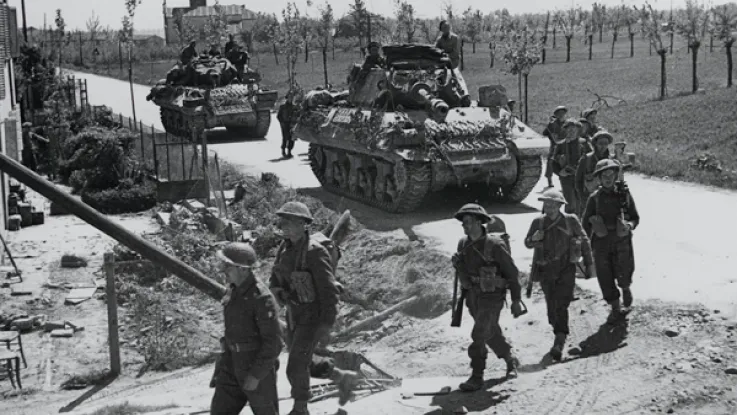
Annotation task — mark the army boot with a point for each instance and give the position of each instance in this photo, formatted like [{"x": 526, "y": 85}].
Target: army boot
[
  {"x": 512, "y": 365},
  {"x": 626, "y": 297},
  {"x": 300, "y": 408},
  {"x": 346, "y": 381},
  {"x": 556, "y": 352},
  {"x": 475, "y": 382},
  {"x": 616, "y": 312}
]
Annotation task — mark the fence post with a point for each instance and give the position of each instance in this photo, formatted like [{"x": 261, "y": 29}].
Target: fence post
[
  {"x": 112, "y": 313},
  {"x": 205, "y": 165},
  {"x": 168, "y": 159},
  {"x": 156, "y": 158},
  {"x": 121, "y": 120},
  {"x": 143, "y": 150}
]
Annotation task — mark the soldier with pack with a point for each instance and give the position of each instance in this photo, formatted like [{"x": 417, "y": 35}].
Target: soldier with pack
[
  {"x": 302, "y": 279},
  {"x": 286, "y": 116},
  {"x": 559, "y": 242},
  {"x": 486, "y": 270},
  {"x": 565, "y": 160},
  {"x": 553, "y": 132},
  {"x": 588, "y": 119},
  {"x": 609, "y": 219},
  {"x": 586, "y": 183},
  {"x": 245, "y": 372}
]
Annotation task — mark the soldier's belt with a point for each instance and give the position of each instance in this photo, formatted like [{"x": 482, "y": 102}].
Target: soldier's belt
[{"x": 243, "y": 347}]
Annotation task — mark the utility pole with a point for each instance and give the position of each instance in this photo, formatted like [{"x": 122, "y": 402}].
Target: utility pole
[{"x": 25, "y": 28}]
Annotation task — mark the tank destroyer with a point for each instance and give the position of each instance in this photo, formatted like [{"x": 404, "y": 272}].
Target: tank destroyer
[
  {"x": 208, "y": 93},
  {"x": 406, "y": 130}
]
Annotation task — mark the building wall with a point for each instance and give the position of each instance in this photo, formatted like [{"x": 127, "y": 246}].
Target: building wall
[
  {"x": 10, "y": 128},
  {"x": 236, "y": 24}
]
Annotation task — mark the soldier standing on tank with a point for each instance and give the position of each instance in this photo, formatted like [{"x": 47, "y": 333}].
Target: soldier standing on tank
[
  {"x": 485, "y": 270},
  {"x": 286, "y": 117},
  {"x": 374, "y": 58},
  {"x": 560, "y": 241},
  {"x": 302, "y": 279},
  {"x": 565, "y": 162},
  {"x": 609, "y": 219},
  {"x": 246, "y": 371},
  {"x": 238, "y": 58},
  {"x": 229, "y": 44},
  {"x": 553, "y": 132},
  {"x": 586, "y": 183},
  {"x": 450, "y": 43},
  {"x": 188, "y": 53}
]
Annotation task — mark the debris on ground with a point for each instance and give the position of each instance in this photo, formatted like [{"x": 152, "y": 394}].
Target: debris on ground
[{"x": 73, "y": 261}]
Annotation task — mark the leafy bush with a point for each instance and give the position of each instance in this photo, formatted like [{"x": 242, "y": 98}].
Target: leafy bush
[
  {"x": 101, "y": 156},
  {"x": 127, "y": 197}
]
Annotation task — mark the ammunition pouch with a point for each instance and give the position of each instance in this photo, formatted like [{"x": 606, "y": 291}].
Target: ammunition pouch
[
  {"x": 574, "y": 253},
  {"x": 622, "y": 229},
  {"x": 597, "y": 224},
  {"x": 301, "y": 283},
  {"x": 489, "y": 279}
]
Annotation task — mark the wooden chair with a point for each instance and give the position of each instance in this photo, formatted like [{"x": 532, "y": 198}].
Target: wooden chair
[
  {"x": 11, "y": 336},
  {"x": 12, "y": 366}
]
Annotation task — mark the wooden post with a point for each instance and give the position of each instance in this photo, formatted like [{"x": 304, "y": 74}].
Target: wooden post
[
  {"x": 205, "y": 166},
  {"x": 220, "y": 184},
  {"x": 112, "y": 313},
  {"x": 153, "y": 148},
  {"x": 143, "y": 151}
]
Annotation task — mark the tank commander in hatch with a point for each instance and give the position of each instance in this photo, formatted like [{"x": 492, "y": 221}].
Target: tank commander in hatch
[{"x": 374, "y": 58}]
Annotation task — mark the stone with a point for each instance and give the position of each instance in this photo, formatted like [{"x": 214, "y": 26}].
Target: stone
[
  {"x": 23, "y": 323},
  {"x": 671, "y": 333},
  {"x": 731, "y": 371},
  {"x": 62, "y": 333},
  {"x": 53, "y": 325}
]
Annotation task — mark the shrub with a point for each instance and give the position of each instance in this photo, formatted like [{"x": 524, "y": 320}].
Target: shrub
[{"x": 127, "y": 197}]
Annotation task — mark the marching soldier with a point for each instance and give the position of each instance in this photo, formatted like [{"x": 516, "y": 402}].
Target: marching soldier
[
  {"x": 590, "y": 126},
  {"x": 609, "y": 219},
  {"x": 559, "y": 241},
  {"x": 303, "y": 280},
  {"x": 246, "y": 370},
  {"x": 566, "y": 156},
  {"x": 486, "y": 270},
  {"x": 286, "y": 116},
  {"x": 553, "y": 132},
  {"x": 586, "y": 183}
]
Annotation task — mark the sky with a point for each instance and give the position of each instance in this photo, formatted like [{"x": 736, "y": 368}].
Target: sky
[{"x": 149, "y": 13}]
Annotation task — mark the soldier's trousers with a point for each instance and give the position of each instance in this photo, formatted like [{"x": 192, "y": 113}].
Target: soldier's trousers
[
  {"x": 558, "y": 282},
  {"x": 485, "y": 309},
  {"x": 287, "y": 143},
  {"x": 301, "y": 342},
  {"x": 568, "y": 187},
  {"x": 615, "y": 263},
  {"x": 230, "y": 398},
  {"x": 549, "y": 161}
]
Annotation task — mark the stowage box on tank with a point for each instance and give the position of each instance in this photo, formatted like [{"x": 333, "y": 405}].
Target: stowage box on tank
[
  {"x": 406, "y": 130},
  {"x": 207, "y": 93}
]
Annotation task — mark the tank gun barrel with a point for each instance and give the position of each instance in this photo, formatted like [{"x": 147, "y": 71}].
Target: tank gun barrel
[{"x": 437, "y": 108}]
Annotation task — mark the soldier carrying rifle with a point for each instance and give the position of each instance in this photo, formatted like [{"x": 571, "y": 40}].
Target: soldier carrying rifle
[{"x": 485, "y": 270}]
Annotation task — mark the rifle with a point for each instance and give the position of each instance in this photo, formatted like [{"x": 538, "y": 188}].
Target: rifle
[{"x": 457, "y": 305}]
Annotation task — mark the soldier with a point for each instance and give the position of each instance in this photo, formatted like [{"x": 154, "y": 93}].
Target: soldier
[
  {"x": 285, "y": 116},
  {"x": 214, "y": 51},
  {"x": 188, "y": 53},
  {"x": 229, "y": 44},
  {"x": 28, "y": 154},
  {"x": 609, "y": 219},
  {"x": 566, "y": 156},
  {"x": 374, "y": 58},
  {"x": 591, "y": 127},
  {"x": 450, "y": 43},
  {"x": 246, "y": 370},
  {"x": 238, "y": 58},
  {"x": 485, "y": 270},
  {"x": 303, "y": 280},
  {"x": 586, "y": 183},
  {"x": 552, "y": 131},
  {"x": 559, "y": 241}
]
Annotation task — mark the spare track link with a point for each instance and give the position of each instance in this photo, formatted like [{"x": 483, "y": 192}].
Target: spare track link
[
  {"x": 419, "y": 180},
  {"x": 529, "y": 169}
]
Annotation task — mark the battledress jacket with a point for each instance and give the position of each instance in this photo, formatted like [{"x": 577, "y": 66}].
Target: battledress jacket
[
  {"x": 452, "y": 46},
  {"x": 251, "y": 318},
  {"x": 318, "y": 262},
  {"x": 493, "y": 248},
  {"x": 558, "y": 233},
  {"x": 586, "y": 168},
  {"x": 606, "y": 203}
]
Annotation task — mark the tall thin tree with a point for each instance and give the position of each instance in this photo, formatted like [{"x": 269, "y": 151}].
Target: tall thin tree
[{"x": 725, "y": 24}]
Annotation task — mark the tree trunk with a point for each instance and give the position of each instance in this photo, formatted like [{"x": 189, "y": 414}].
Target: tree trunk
[
  {"x": 526, "y": 75},
  {"x": 614, "y": 41},
  {"x": 554, "y": 38},
  {"x": 711, "y": 43},
  {"x": 325, "y": 65},
  {"x": 662, "y": 73},
  {"x": 333, "y": 48},
  {"x": 307, "y": 52},
  {"x": 591, "y": 45},
  {"x": 462, "y": 42},
  {"x": 276, "y": 54},
  {"x": 671, "y": 43},
  {"x": 491, "y": 57},
  {"x": 568, "y": 48},
  {"x": 632, "y": 45},
  {"x": 519, "y": 89},
  {"x": 81, "y": 55},
  {"x": 601, "y": 33},
  {"x": 651, "y": 49},
  {"x": 694, "y": 63},
  {"x": 473, "y": 47},
  {"x": 543, "y": 61},
  {"x": 728, "y": 48}
]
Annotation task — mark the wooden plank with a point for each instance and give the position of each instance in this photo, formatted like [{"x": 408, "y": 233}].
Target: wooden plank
[
  {"x": 78, "y": 295},
  {"x": 112, "y": 313}
]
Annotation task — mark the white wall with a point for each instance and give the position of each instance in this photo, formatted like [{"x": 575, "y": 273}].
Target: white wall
[{"x": 10, "y": 134}]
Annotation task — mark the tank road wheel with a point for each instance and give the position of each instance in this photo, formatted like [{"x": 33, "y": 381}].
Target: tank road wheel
[{"x": 529, "y": 169}]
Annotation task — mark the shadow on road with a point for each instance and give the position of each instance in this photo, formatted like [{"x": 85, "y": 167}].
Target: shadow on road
[
  {"x": 607, "y": 339},
  {"x": 87, "y": 395},
  {"x": 223, "y": 136},
  {"x": 543, "y": 364},
  {"x": 473, "y": 401},
  {"x": 437, "y": 206}
]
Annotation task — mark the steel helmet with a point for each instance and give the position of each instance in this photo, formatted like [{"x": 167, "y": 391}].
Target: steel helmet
[
  {"x": 553, "y": 195},
  {"x": 602, "y": 134},
  {"x": 473, "y": 209},
  {"x": 560, "y": 108},
  {"x": 586, "y": 113},
  {"x": 239, "y": 254},
  {"x": 606, "y": 164},
  {"x": 295, "y": 209},
  {"x": 496, "y": 225}
]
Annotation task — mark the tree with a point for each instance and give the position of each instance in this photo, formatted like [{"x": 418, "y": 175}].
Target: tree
[
  {"x": 522, "y": 50},
  {"x": 491, "y": 33},
  {"x": 186, "y": 31},
  {"x": 691, "y": 24},
  {"x": 615, "y": 22},
  {"x": 588, "y": 30},
  {"x": 360, "y": 21},
  {"x": 557, "y": 16},
  {"x": 725, "y": 22},
  {"x": 93, "y": 27},
  {"x": 126, "y": 35},
  {"x": 599, "y": 14},
  {"x": 216, "y": 26},
  {"x": 325, "y": 31},
  {"x": 546, "y": 27},
  {"x": 652, "y": 21},
  {"x": 266, "y": 30},
  {"x": 472, "y": 23},
  {"x": 426, "y": 28},
  {"x": 567, "y": 22},
  {"x": 307, "y": 30},
  {"x": 406, "y": 21},
  {"x": 291, "y": 41},
  {"x": 630, "y": 19}
]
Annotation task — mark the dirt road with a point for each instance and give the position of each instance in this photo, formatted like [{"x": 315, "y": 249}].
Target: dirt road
[{"x": 682, "y": 246}]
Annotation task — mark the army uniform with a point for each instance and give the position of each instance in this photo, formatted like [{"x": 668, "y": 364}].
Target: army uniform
[
  {"x": 610, "y": 231},
  {"x": 565, "y": 162},
  {"x": 553, "y": 132},
  {"x": 557, "y": 256},
  {"x": 485, "y": 299},
  {"x": 285, "y": 116},
  {"x": 251, "y": 347},
  {"x": 188, "y": 54},
  {"x": 303, "y": 274},
  {"x": 451, "y": 45},
  {"x": 585, "y": 182}
]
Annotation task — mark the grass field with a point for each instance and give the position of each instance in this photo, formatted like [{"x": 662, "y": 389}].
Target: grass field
[{"x": 666, "y": 135}]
